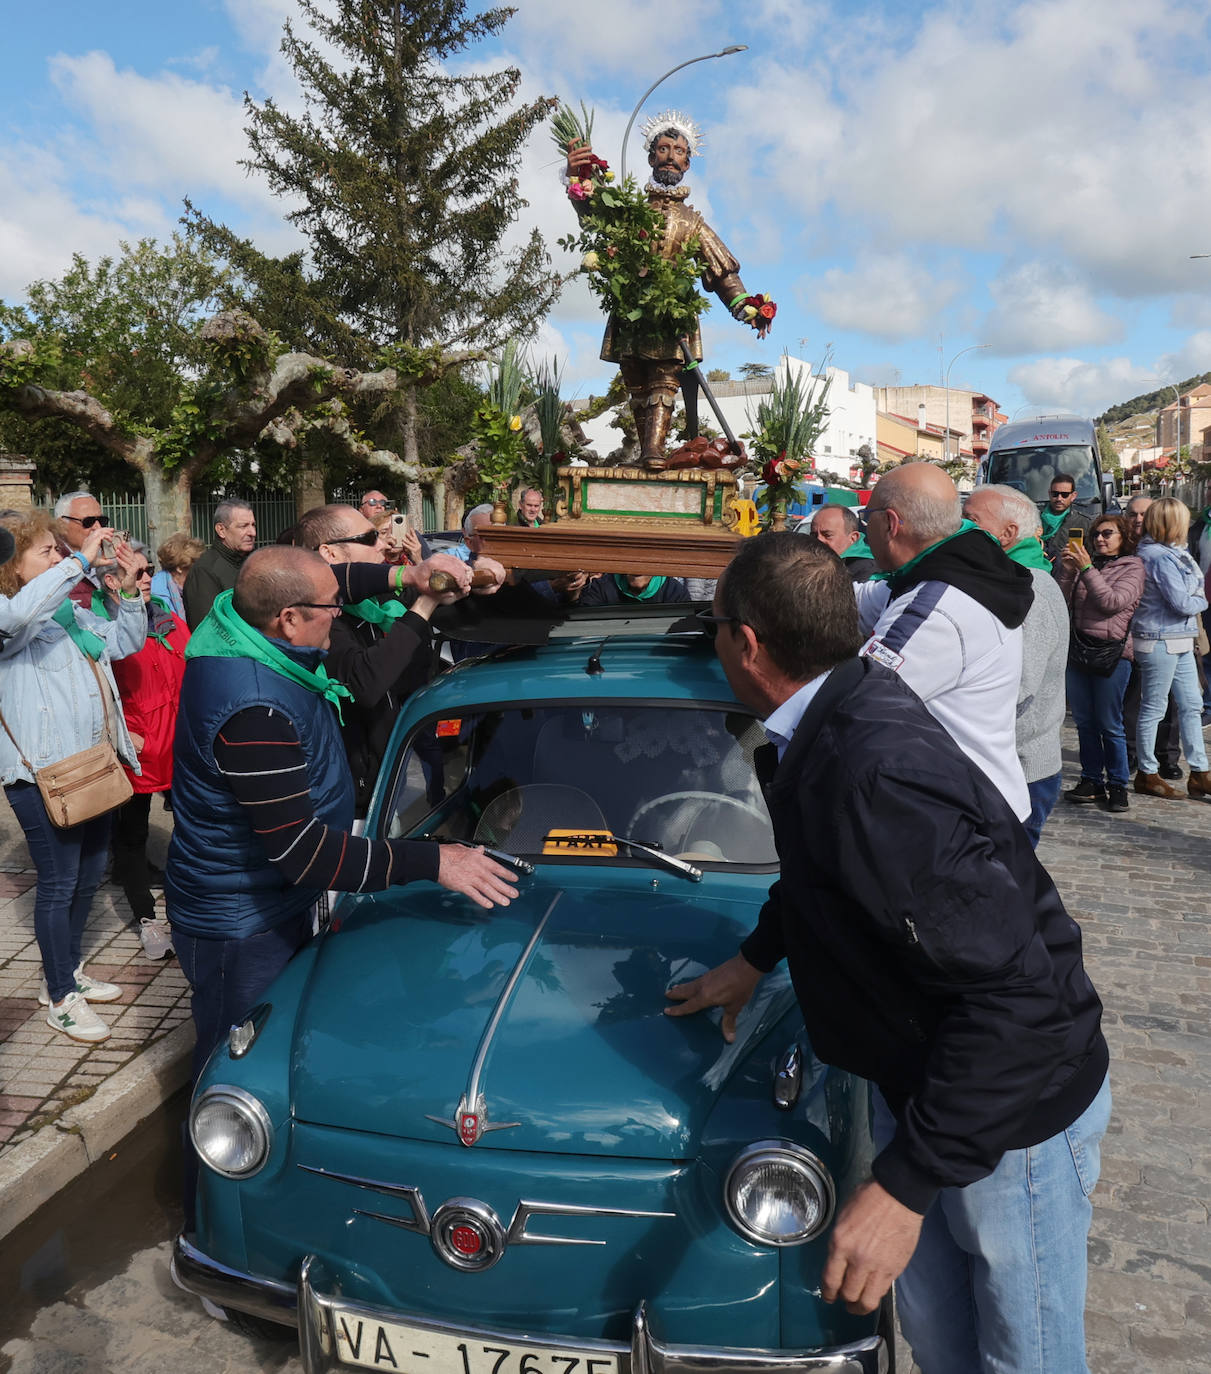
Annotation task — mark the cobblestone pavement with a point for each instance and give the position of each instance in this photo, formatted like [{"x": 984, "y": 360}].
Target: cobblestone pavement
[
  {"x": 1140, "y": 885},
  {"x": 42, "y": 1072}
]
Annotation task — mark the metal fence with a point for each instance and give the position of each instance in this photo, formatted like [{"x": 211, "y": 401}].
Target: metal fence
[
  {"x": 274, "y": 511},
  {"x": 352, "y": 496}
]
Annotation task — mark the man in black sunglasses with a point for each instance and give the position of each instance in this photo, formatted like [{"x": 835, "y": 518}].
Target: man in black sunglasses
[
  {"x": 381, "y": 647},
  {"x": 78, "y": 513}
]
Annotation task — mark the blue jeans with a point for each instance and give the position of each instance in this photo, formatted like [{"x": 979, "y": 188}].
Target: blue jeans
[
  {"x": 1043, "y": 796},
  {"x": 1096, "y": 704},
  {"x": 1160, "y": 671},
  {"x": 69, "y": 864},
  {"x": 227, "y": 977},
  {"x": 996, "y": 1284}
]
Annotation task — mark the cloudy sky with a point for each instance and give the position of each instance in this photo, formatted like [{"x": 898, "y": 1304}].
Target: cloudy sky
[{"x": 906, "y": 180}]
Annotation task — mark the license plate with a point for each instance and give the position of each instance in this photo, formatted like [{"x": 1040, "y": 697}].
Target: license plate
[{"x": 372, "y": 1344}]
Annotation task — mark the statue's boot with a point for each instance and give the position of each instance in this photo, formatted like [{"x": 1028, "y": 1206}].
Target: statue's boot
[{"x": 654, "y": 431}]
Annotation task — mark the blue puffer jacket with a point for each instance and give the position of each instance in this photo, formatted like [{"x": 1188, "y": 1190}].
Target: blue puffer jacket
[
  {"x": 219, "y": 882},
  {"x": 1173, "y": 593}
]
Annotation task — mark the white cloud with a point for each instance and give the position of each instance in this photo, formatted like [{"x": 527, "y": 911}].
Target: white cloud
[
  {"x": 1044, "y": 306},
  {"x": 1084, "y": 388},
  {"x": 887, "y": 296},
  {"x": 1050, "y": 124}
]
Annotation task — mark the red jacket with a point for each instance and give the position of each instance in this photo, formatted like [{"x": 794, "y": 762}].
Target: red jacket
[{"x": 150, "y": 686}]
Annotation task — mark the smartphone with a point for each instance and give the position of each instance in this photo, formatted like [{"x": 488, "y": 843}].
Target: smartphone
[
  {"x": 1077, "y": 537},
  {"x": 399, "y": 523}
]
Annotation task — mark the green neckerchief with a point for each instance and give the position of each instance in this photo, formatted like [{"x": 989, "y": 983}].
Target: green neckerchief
[
  {"x": 224, "y": 634},
  {"x": 624, "y": 588},
  {"x": 383, "y": 614},
  {"x": 964, "y": 528},
  {"x": 84, "y": 640},
  {"x": 860, "y": 549},
  {"x": 1051, "y": 521},
  {"x": 162, "y": 625},
  {"x": 1029, "y": 553},
  {"x": 100, "y": 605}
]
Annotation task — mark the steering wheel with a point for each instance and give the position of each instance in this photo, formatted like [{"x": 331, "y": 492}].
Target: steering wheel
[{"x": 709, "y": 797}]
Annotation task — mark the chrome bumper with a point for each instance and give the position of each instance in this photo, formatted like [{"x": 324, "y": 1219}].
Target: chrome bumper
[{"x": 313, "y": 1314}]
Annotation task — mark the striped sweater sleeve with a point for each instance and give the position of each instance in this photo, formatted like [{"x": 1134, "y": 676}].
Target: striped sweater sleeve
[{"x": 261, "y": 758}]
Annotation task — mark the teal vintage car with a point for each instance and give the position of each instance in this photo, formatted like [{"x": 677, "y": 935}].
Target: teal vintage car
[{"x": 458, "y": 1142}]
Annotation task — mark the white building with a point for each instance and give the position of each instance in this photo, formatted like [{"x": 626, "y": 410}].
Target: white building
[{"x": 851, "y": 418}]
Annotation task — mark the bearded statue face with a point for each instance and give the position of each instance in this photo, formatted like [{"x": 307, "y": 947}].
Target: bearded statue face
[{"x": 669, "y": 158}]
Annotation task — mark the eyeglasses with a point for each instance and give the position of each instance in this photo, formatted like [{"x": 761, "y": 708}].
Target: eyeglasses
[
  {"x": 1104, "y": 533},
  {"x": 868, "y": 515},
  {"x": 1068, "y": 492},
  {"x": 333, "y": 606},
  {"x": 87, "y": 521},
  {"x": 367, "y": 537},
  {"x": 144, "y": 571},
  {"x": 710, "y": 623},
  {"x": 373, "y": 503}
]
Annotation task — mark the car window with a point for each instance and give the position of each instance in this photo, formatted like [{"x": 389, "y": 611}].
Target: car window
[
  {"x": 681, "y": 779},
  {"x": 1031, "y": 469}
]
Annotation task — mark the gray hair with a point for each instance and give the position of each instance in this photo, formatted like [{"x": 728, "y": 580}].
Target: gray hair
[
  {"x": 227, "y": 507},
  {"x": 484, "y": 508},
  {"x": 64, "y": 503},
  {"x": 1014, "y": 507}
]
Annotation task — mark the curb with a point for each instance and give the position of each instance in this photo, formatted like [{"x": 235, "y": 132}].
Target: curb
[{"x": 34, "y": 1171}]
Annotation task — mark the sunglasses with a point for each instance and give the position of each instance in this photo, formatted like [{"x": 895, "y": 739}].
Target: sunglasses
[
  {"x": 144, "y": 571},
  {"x": 1068, "y": 492},
  {"x": 1104, "y": 533},
  {"x": 374, "y": 503},
  {"x": 710, "y": 623},
  {"x": 367, "y": 537},
  {"x": 334, "y": 606},
  {"x": 87, "y": 521}
]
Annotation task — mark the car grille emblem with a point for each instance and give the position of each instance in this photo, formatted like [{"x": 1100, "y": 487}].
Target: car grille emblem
[
  {"x": 470, "y": 1122},
  {"x": 467, "y": 1234}
]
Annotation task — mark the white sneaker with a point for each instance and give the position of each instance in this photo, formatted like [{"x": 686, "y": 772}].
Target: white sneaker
[
  {"x": 91, "y": 988},
  {"x": 156, "y": 936},
  {"x": 75, "y": 1018}
]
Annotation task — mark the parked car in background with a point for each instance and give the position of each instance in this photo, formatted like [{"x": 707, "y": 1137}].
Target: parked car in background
[{"x": 470, "y": 1142}]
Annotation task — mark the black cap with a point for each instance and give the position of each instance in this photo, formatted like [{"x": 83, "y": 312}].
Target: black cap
[{"x": 7, "y": 546}]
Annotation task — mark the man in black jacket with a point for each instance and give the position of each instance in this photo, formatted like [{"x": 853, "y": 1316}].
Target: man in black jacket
[
  {"x": 932, "y": 955},
  {"x": 381, "y": 650}
]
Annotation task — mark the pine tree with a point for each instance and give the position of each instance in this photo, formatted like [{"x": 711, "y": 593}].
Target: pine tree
[{"x": 404, "y": 174}]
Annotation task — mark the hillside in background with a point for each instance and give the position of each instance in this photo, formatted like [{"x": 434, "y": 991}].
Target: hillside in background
[{"x": 1150, "y": 401}]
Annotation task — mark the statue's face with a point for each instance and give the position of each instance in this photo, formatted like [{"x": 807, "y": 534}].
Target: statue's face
[{"x": 669, "y": 160}]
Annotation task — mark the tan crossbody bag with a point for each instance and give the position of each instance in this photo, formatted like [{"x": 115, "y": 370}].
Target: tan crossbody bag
[{"x": 85, "y": 785}]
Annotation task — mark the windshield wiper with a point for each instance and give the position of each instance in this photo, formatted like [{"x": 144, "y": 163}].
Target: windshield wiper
[{"x": 591, "y": 839}]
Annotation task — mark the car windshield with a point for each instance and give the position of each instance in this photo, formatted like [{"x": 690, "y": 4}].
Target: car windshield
[
  {"x": 680, "y": 779},
  {"x": 1031, "y": 469}
]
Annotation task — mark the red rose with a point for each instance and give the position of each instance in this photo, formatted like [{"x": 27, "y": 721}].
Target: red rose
[{"x": 768, "y": 310}]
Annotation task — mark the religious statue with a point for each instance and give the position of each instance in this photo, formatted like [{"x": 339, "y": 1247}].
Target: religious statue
[{"x": 651, "y": 358}]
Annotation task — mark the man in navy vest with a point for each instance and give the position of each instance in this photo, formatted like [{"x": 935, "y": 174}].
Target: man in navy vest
[{"x": 263, "y": 796}]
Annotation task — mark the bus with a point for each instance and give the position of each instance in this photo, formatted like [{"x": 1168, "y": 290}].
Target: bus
[{"x": 1028, "y": 454}]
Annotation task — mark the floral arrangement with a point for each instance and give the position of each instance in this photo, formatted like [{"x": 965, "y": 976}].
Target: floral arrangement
[
  {"x": 497, "y": 428},
  {"x": 787, "y": 424},
  {"x": 758, "y": 311},
  {"x": 620, "y": 239}
]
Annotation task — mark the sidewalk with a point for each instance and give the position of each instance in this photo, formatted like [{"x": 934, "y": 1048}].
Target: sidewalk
[
  {"x": 62, "y": 1104},
  {"x": 1139, "y": 884}
]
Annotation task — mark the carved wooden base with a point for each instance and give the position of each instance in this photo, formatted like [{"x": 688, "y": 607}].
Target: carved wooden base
[{"x": 578, "y": 546}]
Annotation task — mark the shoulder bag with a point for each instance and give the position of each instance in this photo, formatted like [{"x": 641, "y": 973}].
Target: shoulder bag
[
  {"x": 86, "y": 785},
  {"x": 1088, "y": 654}
]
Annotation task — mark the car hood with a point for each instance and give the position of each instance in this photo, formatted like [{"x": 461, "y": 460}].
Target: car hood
[{"x": 537, "y": 1026}]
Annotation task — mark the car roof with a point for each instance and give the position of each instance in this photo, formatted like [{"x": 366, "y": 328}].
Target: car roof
[{"x": 616, "y": 663}]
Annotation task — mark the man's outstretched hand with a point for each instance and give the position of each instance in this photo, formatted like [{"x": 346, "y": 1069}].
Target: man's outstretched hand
[
  {"x": 472, "y": 873},
  {"x": 872, "y": 1242},
  {"x": 729, "y": 986}
]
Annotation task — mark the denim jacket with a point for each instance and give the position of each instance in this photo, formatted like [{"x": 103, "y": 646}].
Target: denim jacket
[
  {"x": 1173, "y": 593},
  {"x": 48, "y": 693}
]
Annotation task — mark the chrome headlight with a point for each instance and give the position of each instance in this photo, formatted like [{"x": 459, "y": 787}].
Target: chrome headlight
[
  {"x": 777, "y": 1193},
  {"x": 231, "y": 1131}
]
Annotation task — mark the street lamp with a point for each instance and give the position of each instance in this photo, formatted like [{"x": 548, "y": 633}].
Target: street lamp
[
  {"x": 946, "y": 382},
  {"x": 706, "y": 57},
  {"x": 1177, "y": 447}
]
